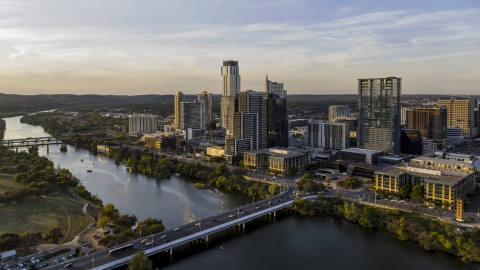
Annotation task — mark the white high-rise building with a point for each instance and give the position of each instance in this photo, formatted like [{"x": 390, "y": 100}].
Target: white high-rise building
[
  {"x": 231, "y": 87},
  {"x": 330, "y": 136},
  {"x": 142, "y": 123},
  {"x": 275, "y": 88}
]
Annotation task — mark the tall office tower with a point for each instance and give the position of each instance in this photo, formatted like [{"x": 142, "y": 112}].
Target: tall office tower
[
  {"x": 403, "y": 115},
  {"x": 179, "y": 97},
  {"x": 206, "y": 98},
  {"x": 142, "y": 123},
  {"x": 277, "y": 121},
  {"x": 379, "y": 114},
  {"x": 250, "y": 119},
  {"x": 337, "y": 111},
  {"x": 191, "y": 115},
  {"x": 460, "y": 113},
  {"x": 231, "y": 87},
  {"x": 432, "y": 123},
  {"x": 330, "y": 136},
  {"x": 274, "y": 88}
]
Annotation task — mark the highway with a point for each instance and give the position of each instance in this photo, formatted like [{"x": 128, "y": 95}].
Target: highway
[{"x": 102, "y": 257}]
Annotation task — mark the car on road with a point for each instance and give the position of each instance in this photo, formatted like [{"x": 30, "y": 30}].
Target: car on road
[
  {"x": 163, "y": 236},
  {"x": 231, "y": 216},
  {"x": 166, "y": 240},
  {"x": 67, "y": 265},
  {"x": 213, "y": 220},
  {"x": 56, "y": 261},
  {"x": 63, "y": 258},
  {"x": 258, "y": 207},
  {"x": 278, "y": 200},
  {"x": 176, "y": 229},
  {"x": 143, "y": 241},
  {"x": 198, "y": 224},
  {"x": 148, "y": 243}
]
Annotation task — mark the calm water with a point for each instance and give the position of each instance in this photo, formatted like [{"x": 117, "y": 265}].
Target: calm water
[{"x": 286, "y": 242}]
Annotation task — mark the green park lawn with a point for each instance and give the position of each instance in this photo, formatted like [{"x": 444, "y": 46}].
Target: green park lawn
[{"x": 44, "y": 213}]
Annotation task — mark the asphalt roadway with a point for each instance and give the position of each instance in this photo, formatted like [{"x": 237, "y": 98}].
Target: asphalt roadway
[{"x": 102, "y": 257}]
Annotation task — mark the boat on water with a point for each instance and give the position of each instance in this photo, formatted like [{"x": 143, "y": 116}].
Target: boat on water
[
  {"x": 81, "y": 160},
  {"x": 221, "y": 247},
  {"x": 177, "y": 174},
  {"x": 89, "y": 171}
]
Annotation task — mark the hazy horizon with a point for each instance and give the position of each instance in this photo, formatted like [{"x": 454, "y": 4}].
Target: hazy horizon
[{"x": 314, "y": 47}]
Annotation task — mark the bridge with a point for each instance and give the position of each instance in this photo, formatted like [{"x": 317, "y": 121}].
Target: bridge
[
  {"x": 166, "y": 241},
  {"x": 29, "y": 142}
]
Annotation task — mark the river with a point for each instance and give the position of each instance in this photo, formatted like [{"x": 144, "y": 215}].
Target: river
[{"x": 286, "y": 242}]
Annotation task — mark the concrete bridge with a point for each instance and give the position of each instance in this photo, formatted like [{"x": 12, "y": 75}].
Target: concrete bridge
[
  {"x": 29, "y": 142},
  {"x": 200, "y": 230}
]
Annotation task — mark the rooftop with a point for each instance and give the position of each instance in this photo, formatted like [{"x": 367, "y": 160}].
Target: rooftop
[
  {"x": 443, "y": 161},
  {"x": 445, "y": 178},
  {"x": 361, "y": 151}
]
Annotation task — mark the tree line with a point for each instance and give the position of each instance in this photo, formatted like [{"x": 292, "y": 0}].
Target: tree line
[{"x": 430, "y": 233}]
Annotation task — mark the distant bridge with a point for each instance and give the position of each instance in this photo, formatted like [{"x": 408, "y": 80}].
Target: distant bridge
[{"x": 29, "y": 142}]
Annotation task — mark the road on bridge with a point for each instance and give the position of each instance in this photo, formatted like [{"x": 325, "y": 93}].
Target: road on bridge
[{"x": 103, "y": 257}]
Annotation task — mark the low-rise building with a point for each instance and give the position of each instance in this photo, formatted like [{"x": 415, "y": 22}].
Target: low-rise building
[
  {"x": 8, "y": 255},
  {"x": 278, "y": 161},
  {"x": 215, "y": 151},
  {"x": 361, "y": 155},
  {"x": 104, "y": 149}
]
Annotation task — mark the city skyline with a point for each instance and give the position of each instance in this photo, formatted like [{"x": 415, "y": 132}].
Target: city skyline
[{"x": 53, "y": 47}]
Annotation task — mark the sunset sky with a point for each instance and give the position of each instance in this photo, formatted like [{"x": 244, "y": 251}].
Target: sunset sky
[{"x": 313, "y": 47}]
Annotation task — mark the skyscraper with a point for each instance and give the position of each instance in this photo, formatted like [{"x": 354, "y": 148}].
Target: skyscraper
[
  {"x": 231, "y": 86},
  {"x": 206, "y": 98},
  {"x": 179, "y": 97},
  {"x": 379, "y": 114},
  {"x": 330, "y": 136},
  {"x": 277, "y": 121},
  {"x": 460, "y": 112},
  {"x": 337, "y": 111},
  {"x": 191, "y": 115},
  {"x": 274, "y": 88},
  {"x": 432, "y": 123}
]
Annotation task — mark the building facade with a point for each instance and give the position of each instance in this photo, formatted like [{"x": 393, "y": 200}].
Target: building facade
[
  {"x": 179, "y": 98},
  {"x": 432, "y": 123},
  {"x": 329, "y": 136},
  {"x": 206, "y": 98},
  {"x": 379, "y": 114},
  {"x": 274, "y": 88},
  {"x": 231, "y": 86},
  {"x": 278, "y": 161},
  {"x": 337, "y": 111},
  {"x": 142, "y": 123},
  {"x": 191, "y": 115},
  {"x": 277, "y": 121},
  {"x": 460, "y": 112},
  {"x": 411, "y": 142}
]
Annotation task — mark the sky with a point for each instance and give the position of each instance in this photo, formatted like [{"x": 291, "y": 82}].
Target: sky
[{"x": 123, "y": 47}]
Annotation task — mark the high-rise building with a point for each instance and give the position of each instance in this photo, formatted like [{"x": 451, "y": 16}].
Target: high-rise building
[
  {"x": 379, "y": 114},
  {"x": 142, "y": 123},
  {"x": 460, "y": 112},
  {"x": 432, "y": 123},
  {"x": 179, "y": 97},
  {"x": 274, "y": 88},
  {"x": 337, "y": 111},
  {"x": 231, "y": 86},
  {"x": 191, "y": 115},
  {"x": 250, "y": 119},
  {"x": 277, "y": 121},
  {"x": 206, "y": 98},
  {"x": 330, "y": 136}
]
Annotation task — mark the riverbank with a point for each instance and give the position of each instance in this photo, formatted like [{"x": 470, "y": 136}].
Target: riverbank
[{"x": 431, "y": 234}]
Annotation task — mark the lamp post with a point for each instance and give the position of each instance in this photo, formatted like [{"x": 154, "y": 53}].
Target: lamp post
[{"x": 152, "y": 240}]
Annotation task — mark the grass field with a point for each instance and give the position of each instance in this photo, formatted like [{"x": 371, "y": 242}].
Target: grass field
[
  {"x": 6, "y": 183},
  {"x": 42, "y": 214}
]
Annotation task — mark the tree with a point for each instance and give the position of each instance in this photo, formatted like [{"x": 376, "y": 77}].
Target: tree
[
  {"x": 417, "y": 193},
  {"x": 156, "y": 228},
  {"x": 405, "y": 191},
  {"x": 140, "y": 262},
  {"x": 78, "y": 251},
  {"x": 103, "y": 221},
  {"x": 54, "y": 234},
  {"x": 328, "y": 180},
  {"x": 30, "y": 239}
]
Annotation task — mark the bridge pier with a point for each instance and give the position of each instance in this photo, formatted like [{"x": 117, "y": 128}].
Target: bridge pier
[
  {"x": 244, "y": 225},
  {"x": 16, "y": 149},
  {"x": 206, "y": 238},
  {"x": 75, "y": 144},
  {"x": 48, "y": 150},
  {"x": 274, "y": 213},
  {"x": 171, "y": 251}
]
